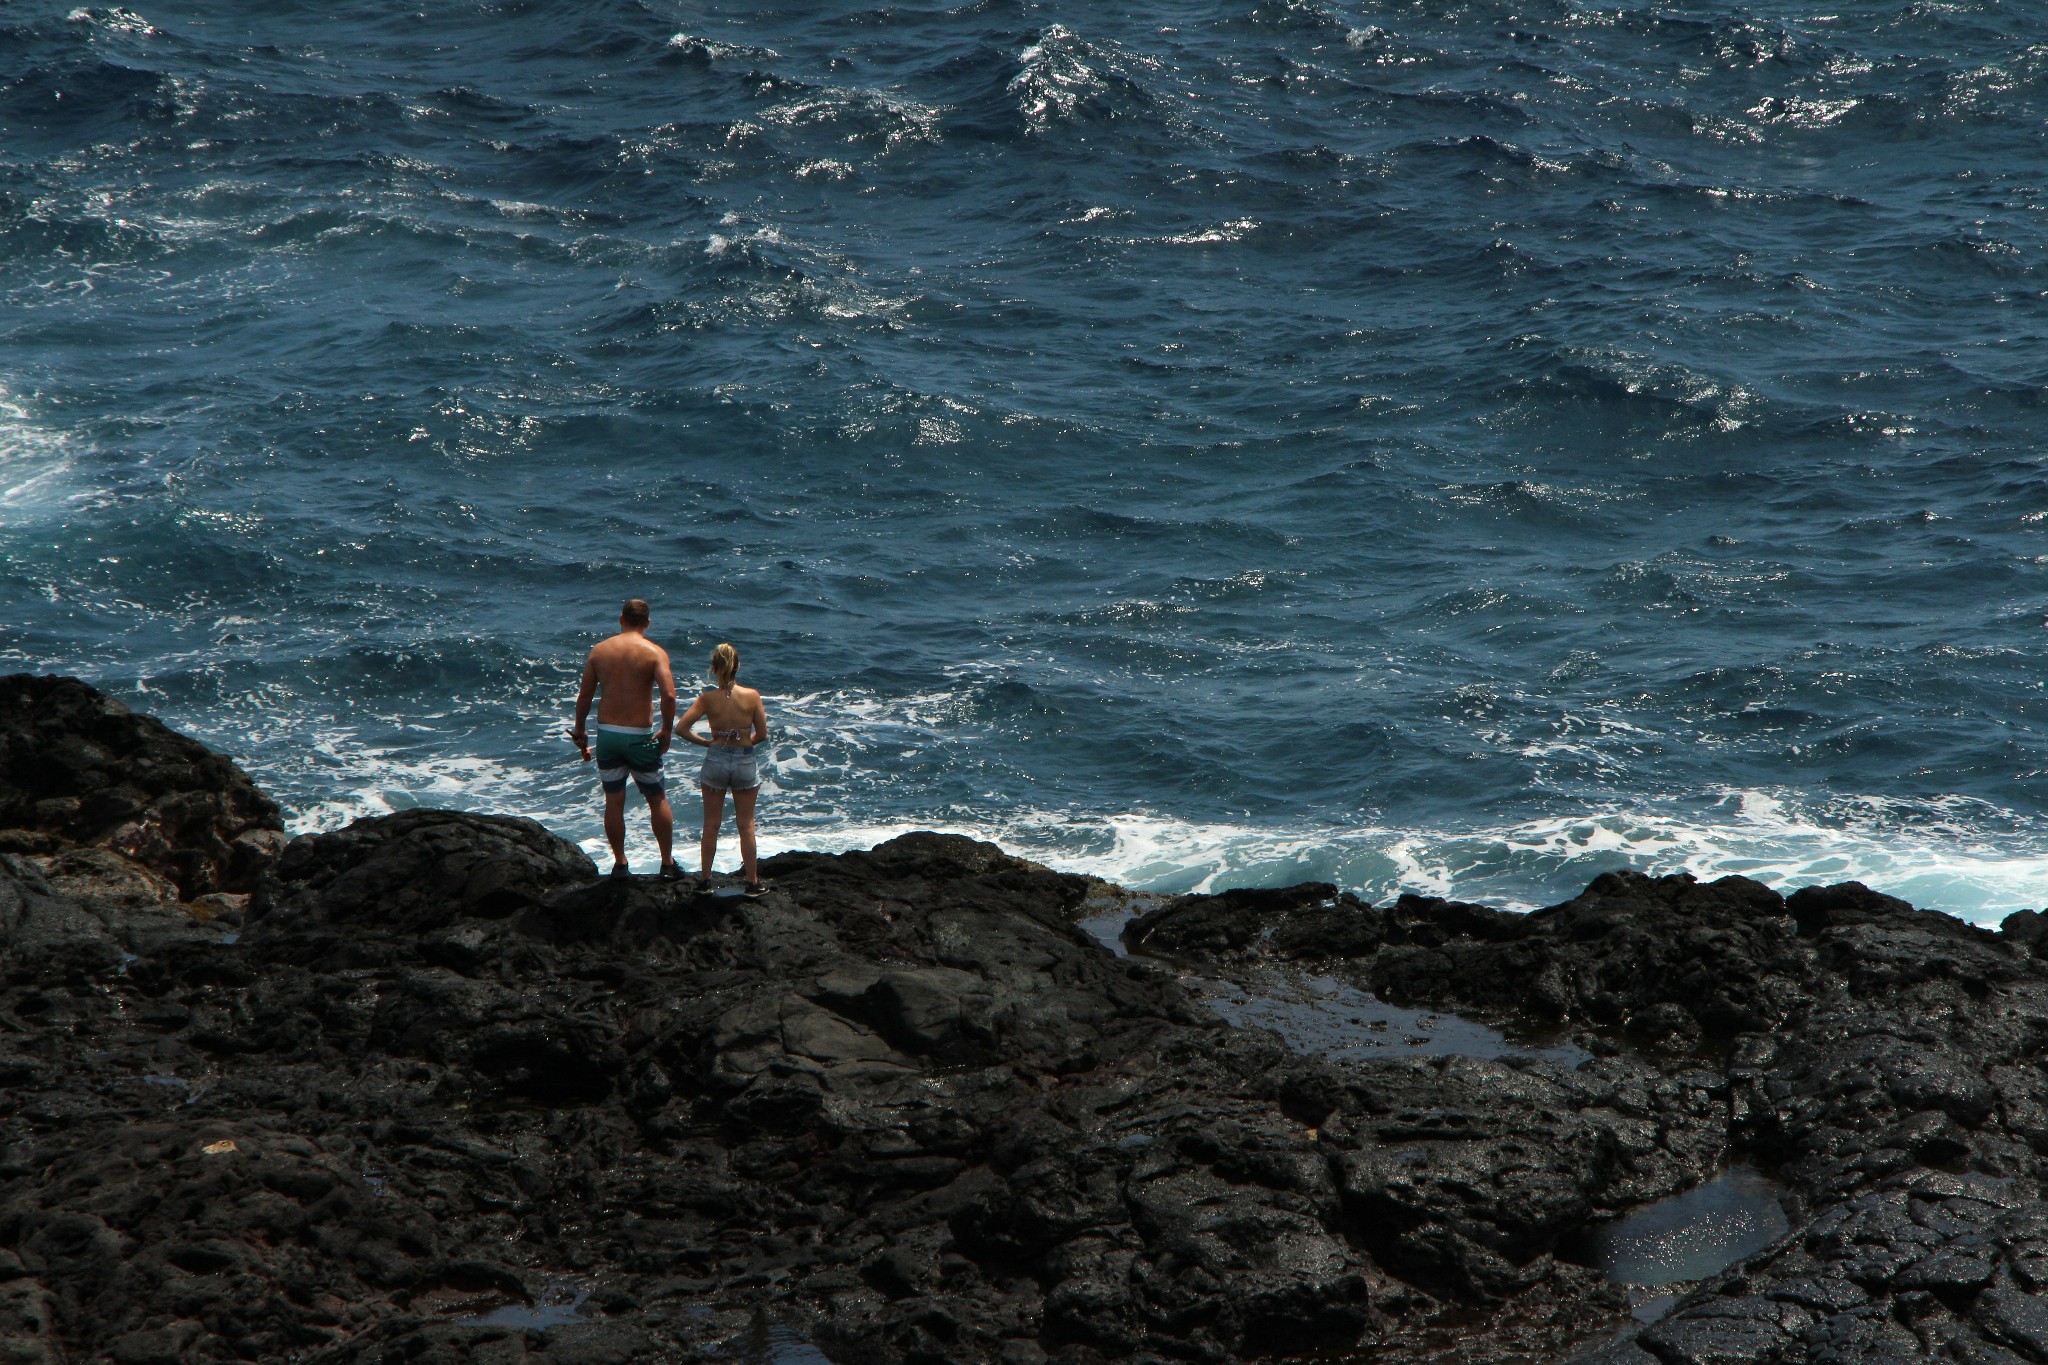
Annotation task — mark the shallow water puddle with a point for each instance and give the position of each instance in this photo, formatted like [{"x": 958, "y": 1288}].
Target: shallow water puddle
[
  {"x": 1332, "y": 1018},
  {"x": 1691, "y": 1235},
  {"x": 1108, "y": 928},
  {"x": 556, "y": 1306},
  {"x": 773, "y": 1344},
  {"x": 1108, "y": 915}
]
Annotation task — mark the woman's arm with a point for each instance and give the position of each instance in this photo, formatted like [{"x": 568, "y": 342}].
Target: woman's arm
[
  {"x": 760, "y": 735},
  {"x": 690, "y": 718}
]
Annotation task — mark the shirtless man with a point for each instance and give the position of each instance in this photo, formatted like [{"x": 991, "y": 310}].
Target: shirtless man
[{"x": 628, "y": 667}]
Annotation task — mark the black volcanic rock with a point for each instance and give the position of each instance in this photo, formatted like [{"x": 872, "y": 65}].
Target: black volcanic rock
[
  {"x": 902, "y": 1101},
  {"x": 415, "y": 872},
  {"x": 446, "y": 1075},
  {"x": 1888, "y": 1062},
  {"x": 79, "y": 768}
]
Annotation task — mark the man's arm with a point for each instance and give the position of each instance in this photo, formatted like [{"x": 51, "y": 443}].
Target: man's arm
[
  {"x": 666, "y": 681},
  {"x": 584, "y": 696}
]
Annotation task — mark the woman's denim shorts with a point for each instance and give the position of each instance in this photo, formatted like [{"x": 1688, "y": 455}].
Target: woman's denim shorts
[{"x": 728, "y": 769}]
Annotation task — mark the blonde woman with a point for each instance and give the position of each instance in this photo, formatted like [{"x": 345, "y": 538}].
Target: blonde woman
[{"x": 738, "y": 722}]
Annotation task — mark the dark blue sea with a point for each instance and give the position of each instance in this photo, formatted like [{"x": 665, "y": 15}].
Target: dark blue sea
[{"x": 1458, "y": 447}]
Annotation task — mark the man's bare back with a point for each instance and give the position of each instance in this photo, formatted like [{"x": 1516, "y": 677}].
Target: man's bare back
[{"x": 626, "y": 669}]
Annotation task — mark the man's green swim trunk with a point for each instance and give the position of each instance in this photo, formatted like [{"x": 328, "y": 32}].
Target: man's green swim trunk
[{"x": 622, "y": 750}]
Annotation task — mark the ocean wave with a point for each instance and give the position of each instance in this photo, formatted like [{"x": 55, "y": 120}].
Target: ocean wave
[
  {"x": 36, "y": 462},
  {"x": 1632, "y": 388},
  {"x": 1054, "y": 80},
  {"x": 690, "y": 48},
  {"x": 75, "y": 242},
  {"x": 1922, "y": 852},
  {"x": 850, "y": 767},
  {"x": 88, "y": 96},
  {"x": 853, "y": 115},
  {"x": 114, "y": 19},
  {"x": 1059, "y": 79}
]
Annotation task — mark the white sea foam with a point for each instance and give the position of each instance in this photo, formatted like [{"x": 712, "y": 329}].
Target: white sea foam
[
  {"x": 1936, "y": 864},
  {"x": 115, "y": 20},
  {"x": 1054, "y": 79},
  {"x": 1962, "y": 857},
  {"x": 713, "y": 50},
  {"x": 824, "y": 789},
  {"x": 35, "y": 461},
  {"x": 1233, "y": 231},
  {"x": 1061, "y": 75},
  {"x": 370, "y": 777}
]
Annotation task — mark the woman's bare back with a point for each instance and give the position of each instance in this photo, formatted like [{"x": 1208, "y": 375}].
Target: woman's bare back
[{"x": 733, "y": 714}]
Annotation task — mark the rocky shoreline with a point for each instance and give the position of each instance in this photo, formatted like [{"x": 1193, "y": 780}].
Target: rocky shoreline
[{"x": 428, "y": 1089}]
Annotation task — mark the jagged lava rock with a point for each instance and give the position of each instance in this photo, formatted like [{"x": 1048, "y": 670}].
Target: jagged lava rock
[
  {"x": 1888, "y": 1062},
  {"x": 416, "y": 872},
  {"x": 905, "y": 1104},
  {"x": 903, "y": 1100},
  {"x": 79, "y": 769}
]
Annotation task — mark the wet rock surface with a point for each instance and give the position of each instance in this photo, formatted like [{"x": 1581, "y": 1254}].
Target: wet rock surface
[
  {"x": 1886, "y": 1063},
  {"x": 440, "y": 1093}
]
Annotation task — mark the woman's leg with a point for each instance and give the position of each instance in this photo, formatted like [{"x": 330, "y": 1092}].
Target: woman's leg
[
  {"x": 714, "y": 811},
  {"x": 743, "y": 816}
]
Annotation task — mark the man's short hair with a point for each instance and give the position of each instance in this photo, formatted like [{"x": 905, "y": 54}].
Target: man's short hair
[{"x": 634, "y": 613}]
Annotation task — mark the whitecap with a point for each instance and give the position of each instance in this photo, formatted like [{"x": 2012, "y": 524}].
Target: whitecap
[
  {"x": 710, "y": 49},
  {"x": 841, "y": 775},
  {"x": 1236, "y": 230},
  {"x": 1057, "y": 78},
  {"x": 36, "y": 461},
  {"x": 115, "y": 20}
]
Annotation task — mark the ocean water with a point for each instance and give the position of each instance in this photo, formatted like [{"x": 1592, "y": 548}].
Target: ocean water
[{"x": 1458, "y": 447}]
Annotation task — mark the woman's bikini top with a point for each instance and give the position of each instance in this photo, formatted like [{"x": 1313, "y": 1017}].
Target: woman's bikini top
[{"x": 740, "y": 736}]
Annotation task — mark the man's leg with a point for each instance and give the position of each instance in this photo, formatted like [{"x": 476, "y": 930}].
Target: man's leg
[
  {"x": 743, "y": 816},
  {"x": 714, "y": 811},
  {"x": 664, "y": 822},
  {"x": 615, "y": 823}
]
